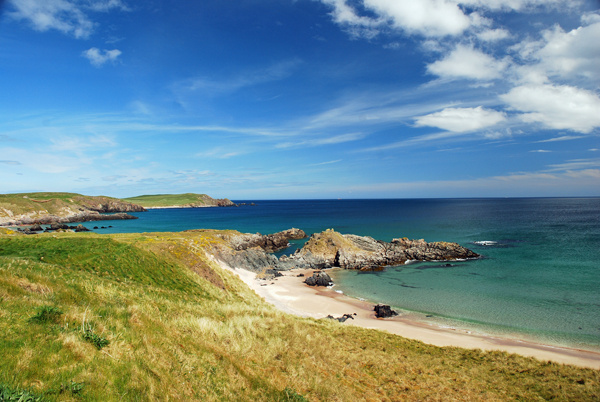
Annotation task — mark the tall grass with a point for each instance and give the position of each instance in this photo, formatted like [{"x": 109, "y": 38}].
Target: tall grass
[{"x": 178, "y": 327}]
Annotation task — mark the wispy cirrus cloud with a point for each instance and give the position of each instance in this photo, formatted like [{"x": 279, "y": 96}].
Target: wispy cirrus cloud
[
  {"x": 326, "y": 163},
  {"x": 325, "y": 140},
  {"x": 71, "y": 17},
  {"x": 8, "y": 162},
  {"x": 249, "y": 78},
  {"x": 461, "y": 119}
]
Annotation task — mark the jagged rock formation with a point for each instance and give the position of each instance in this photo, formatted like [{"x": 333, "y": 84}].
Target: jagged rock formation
[
  {"x": 251, "y": 251},
  {"x": 319, "y": 279},
  {"x": 269, "y": 243},
  {"x": 332, "y": 249}
]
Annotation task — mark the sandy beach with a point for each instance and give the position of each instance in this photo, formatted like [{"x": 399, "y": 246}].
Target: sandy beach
[{"x": 289, "y": 294}]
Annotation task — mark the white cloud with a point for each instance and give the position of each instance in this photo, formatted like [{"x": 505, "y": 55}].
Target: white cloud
[
  {"x": 336, "y": 139},
  {"x": 562, "y": 138},
  {"x": 461, "y": 119},
  {"x": 518, "y": 5},
  {"x": 467, "y": 63},
  {"x": 99, "y": 57},
  {"x": 67, "y": 16},
  {"x": 556, "y": 107},
  {"x": 493, "y": 35},
  {"x": 326, "y": 163},
  {"x": 576, "y": 52},
  {"x": 429, "y": 18}
]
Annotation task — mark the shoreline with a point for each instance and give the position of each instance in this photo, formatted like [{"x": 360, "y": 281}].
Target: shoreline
[{"x": 289, "y": 294}]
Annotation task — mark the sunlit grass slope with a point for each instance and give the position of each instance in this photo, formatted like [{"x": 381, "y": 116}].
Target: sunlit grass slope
[
  {"x": 150, "y": 317},
  {"x": 52, "y": 203},
  {"x": 169, "y": 200}
]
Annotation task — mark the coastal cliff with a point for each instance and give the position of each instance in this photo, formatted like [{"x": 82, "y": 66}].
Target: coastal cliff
[
  {"x": 331, "y": 249},
  {"x": 48, "y": 208}
]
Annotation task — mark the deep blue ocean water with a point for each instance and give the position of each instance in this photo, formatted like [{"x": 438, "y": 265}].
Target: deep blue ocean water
[{"x": 538, "y": 279}]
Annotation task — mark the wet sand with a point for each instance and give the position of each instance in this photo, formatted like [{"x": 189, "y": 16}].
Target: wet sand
[{"x": 289, "y": 294}]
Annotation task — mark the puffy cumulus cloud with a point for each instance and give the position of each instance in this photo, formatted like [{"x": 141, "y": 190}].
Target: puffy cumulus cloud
[
  {"x": 430, "y": 18},
  {"x": 67, "y": 16},
  {"x": 572, "y": 53},
  {"x": 465, "y": 62},
  {"x": 98, "y": 57},
  {"x": 462, "y": 119},
  {"x": 556, "y": 106},
  {"x": 425, "y": 17}
]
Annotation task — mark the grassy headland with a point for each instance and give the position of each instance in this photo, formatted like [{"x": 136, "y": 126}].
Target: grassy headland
[
  {"x": 189, "y": 200},
  {"x": 27, "y": 208},
  {"x": 150, "y": 316}
]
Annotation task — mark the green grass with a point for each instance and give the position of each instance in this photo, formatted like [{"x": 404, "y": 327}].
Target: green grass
[
  {"x": 177, "y": 327},
  {"x": 167, "y": 200}
]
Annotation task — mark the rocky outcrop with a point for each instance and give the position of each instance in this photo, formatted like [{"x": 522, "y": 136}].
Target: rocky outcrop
[
  {"x": 224, "y": 202},
  {"x": 86, "y": 216},
  {"x": 252, "y": 251},
  {"x": 269, "y": 243},
  {"x": 332, "y": 249},
  {"x": 319, "y": 279},
  {"x": 384, "y": 311}
]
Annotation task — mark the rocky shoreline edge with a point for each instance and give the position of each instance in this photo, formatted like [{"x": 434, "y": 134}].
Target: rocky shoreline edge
[{"x": 329, "y": 249}]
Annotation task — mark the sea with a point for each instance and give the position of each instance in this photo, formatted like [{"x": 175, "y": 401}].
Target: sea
[{"x": 538, "y": 278}]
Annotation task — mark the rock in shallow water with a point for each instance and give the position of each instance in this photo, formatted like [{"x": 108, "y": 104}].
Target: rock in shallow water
[{"x": 384, "y": 311}]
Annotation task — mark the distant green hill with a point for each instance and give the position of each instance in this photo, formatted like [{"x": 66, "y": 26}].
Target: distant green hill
[
  {"x": 152, "y": 317},
  {"x": 189, "y": 200}
]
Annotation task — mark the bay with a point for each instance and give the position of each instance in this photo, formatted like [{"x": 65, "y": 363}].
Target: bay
[{"x": 538, "y": 278}]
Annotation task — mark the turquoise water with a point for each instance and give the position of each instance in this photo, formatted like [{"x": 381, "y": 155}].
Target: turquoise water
[{"x": 539, "y": 277}]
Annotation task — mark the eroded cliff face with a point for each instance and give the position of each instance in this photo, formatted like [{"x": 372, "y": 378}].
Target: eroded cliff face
[
  {"x": 253, "y": 251},
  {"x": 332, "y": 249}
]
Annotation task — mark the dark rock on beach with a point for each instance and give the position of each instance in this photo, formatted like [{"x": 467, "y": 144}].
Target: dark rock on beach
[
  {"x": 384, "y": 311},
  {"x": 319, "y": 279}
]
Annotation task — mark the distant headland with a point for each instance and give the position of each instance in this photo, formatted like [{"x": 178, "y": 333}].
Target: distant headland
[
  {"x": 187, "y": 200},
  {"x": 57, "y": 207}
]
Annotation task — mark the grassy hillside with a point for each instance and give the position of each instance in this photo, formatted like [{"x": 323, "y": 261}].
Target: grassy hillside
[
  {"x": 169, "y": 200},
  {"x": 150, "y": 317},
  {"x": 35, "y": 205}
]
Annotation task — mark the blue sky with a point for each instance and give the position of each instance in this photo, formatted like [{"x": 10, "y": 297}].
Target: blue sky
[{"x": 260, "y": 99}]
